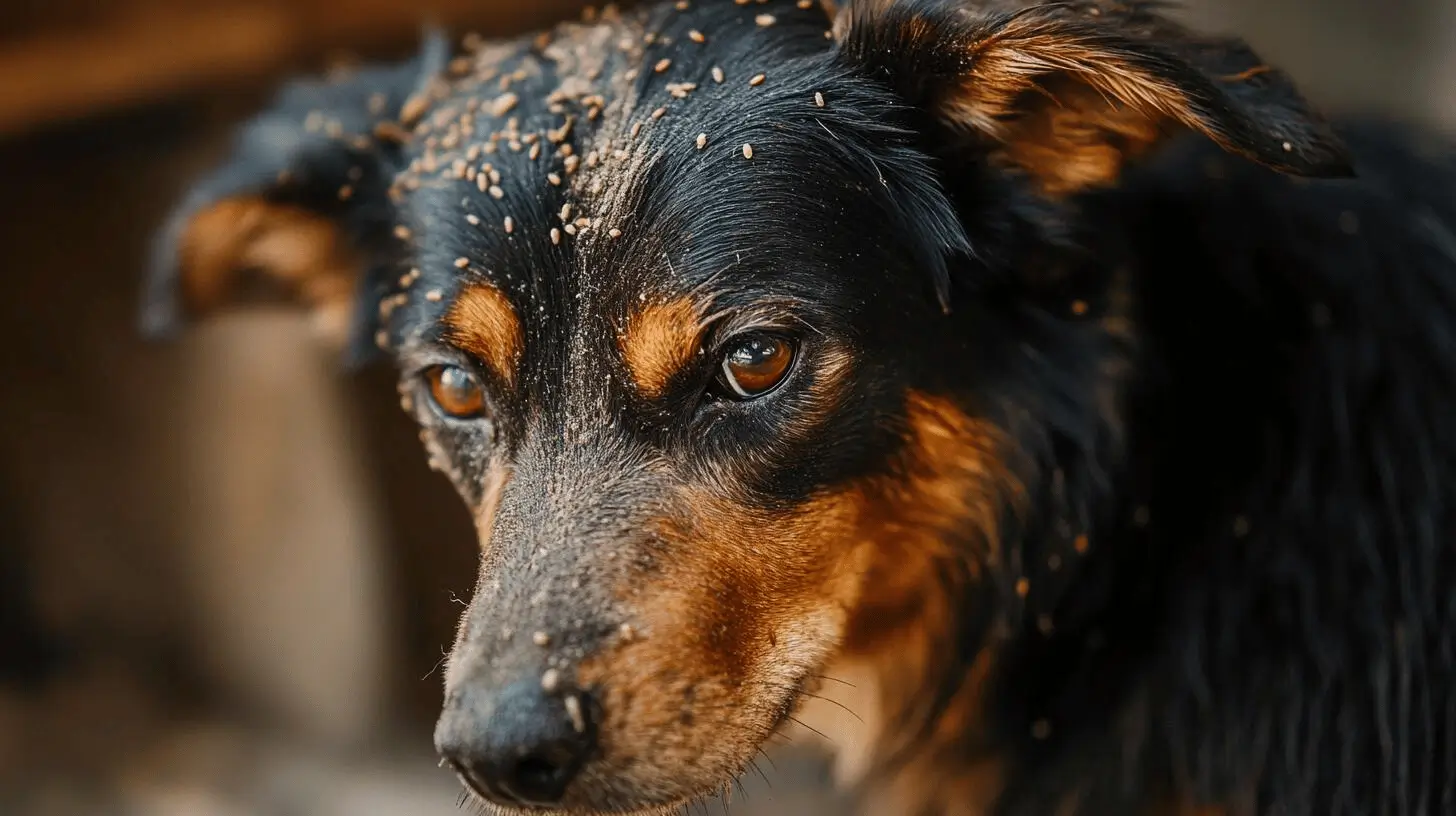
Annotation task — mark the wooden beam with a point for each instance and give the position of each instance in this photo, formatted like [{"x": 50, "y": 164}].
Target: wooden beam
[
  {"x": 68, "y": 75},
  {"x": 153, "y": 57}
]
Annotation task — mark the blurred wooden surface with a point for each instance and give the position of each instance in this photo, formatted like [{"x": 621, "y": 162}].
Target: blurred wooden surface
[{"x": 80, "y": 57}]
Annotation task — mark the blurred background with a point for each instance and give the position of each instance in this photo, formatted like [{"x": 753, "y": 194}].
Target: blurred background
[{"x": 226, "y": 574}]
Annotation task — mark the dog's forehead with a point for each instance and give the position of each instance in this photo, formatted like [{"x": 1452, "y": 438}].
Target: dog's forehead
[{"x": 637, "y": 156}]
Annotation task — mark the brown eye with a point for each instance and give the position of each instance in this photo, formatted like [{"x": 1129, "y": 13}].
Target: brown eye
[
  {"x": 755, "y": 365},
  {"x": 456, "y": 391}
]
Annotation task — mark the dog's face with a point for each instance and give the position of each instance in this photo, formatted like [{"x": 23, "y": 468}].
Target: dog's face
[{"x": 670, "y": 295}]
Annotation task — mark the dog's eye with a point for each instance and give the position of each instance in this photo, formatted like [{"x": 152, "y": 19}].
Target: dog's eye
[
  {"x": 455, "y": 391},
  {"x": 754, "y": 365}
]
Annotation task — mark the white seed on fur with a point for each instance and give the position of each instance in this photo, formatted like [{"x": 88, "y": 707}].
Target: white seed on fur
[
  {"x": 765, "y": 20},
  {"x": 554, "y": 179},
  {"x": 747, "y": 151},
  {"x": 541, "y": 639},
  {"x": 697, "y": 36},
  {"x": 496, "y": 192},
  {"x": 402, "y": 232},
  {"x": 818, "y": 99},
  {"x": 717, "y": 74},
  {"x": 614, "y": 232},
  {"x": 573, "y": 710},
  {"x": 551, "y": 681},
  {"x": 434, "y": 296},
  {"x": 555, "y": 236},
  {"x": 757, "y": 79},
  {"x": 461, "y": 263},
  {"x": 472, "y": 219},
  {"x": 1288, "y": 148},
  {"x": 509, "y": 224},
  {"x": 503, "y": 104},
  {"x": 662, "y": 65},
  {"x": 702, "y": 140},
  {"x": 565, "y": 214}
]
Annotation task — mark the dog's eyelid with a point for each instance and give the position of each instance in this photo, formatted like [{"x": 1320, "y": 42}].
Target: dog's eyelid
[{"x": 724, "y": 327}]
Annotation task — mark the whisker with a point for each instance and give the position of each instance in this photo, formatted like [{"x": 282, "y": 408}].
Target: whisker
[
  {"x": 444, "y": 655},
  {"x": 812, "y": 729},
  {"x": 832, "y": 702},
  {"x": 753, "y": 763}
]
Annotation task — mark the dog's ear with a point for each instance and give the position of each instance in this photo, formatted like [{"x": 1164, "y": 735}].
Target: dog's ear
[
  {"x": 1069, "y": 92},
  {"x": 300, "y": 210}
]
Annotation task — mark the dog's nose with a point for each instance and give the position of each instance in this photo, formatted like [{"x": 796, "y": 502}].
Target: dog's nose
[{"x": 517, "y": 746}]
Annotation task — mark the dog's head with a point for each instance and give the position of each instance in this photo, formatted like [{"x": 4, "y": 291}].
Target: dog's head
[{"x": 712, "y": 313}]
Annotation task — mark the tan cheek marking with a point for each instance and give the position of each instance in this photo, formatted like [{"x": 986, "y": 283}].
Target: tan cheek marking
[
  {"x": 951, "y": 477},
  {"x": 746, "y": 604},
  {"x": 304, "y": 254},
  {"x": 482, "y": 322},
  {"x": 661, "y": 339}
]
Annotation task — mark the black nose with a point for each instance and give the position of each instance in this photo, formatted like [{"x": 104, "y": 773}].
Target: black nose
[{"x": 519, "y": 745}]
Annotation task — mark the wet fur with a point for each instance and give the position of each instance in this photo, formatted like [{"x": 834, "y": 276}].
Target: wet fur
[{"x": 1122, "y": 476}]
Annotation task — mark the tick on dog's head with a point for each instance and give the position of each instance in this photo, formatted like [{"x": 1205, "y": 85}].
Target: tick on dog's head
[{"x": 711, "y": 312}]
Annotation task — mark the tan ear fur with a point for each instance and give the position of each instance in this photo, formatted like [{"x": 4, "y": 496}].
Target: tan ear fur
[
  {"x": 1069, "y": 92},
  {"x": 239, "y": 243}
]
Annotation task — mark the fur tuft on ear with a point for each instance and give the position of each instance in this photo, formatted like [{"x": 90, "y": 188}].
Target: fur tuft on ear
[
  {"x": 1069, "y": 92},
  {"x": 300, "y": 211}
]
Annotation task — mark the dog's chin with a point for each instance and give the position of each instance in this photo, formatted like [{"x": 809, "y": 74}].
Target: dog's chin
[{"x": 486, "y": 808}]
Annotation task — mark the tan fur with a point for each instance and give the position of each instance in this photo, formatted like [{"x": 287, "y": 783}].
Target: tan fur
[
  {"x": 302, "y": 254},
  {"x": 661, "y": 339},
  {"x": 954, "y": 478},
  {"x": 1063, "y": 107},
  {"x": 1075, "y": 139},
  {"x": 750, "y": 603},
  {"x": 482, "y": 321}
]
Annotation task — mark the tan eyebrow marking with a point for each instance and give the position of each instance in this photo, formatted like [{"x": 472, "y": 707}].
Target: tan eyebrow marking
[
  {"x": 482, "y": 322},
  {"x": 661, "y": 339}
]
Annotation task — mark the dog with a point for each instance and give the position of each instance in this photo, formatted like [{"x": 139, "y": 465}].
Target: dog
[{"x": 1046, "y": 384}]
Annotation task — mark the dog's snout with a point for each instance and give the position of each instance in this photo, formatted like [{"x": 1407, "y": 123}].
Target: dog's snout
[{"x": 520, "y": 745}]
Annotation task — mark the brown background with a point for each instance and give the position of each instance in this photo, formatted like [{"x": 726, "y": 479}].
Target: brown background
[{"x": 225, "y": 571}]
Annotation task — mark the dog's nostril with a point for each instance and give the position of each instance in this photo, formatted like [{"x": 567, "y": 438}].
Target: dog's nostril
[
  {"x": 527, "y": 751},
  {"x": 540, "y": 778}
]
